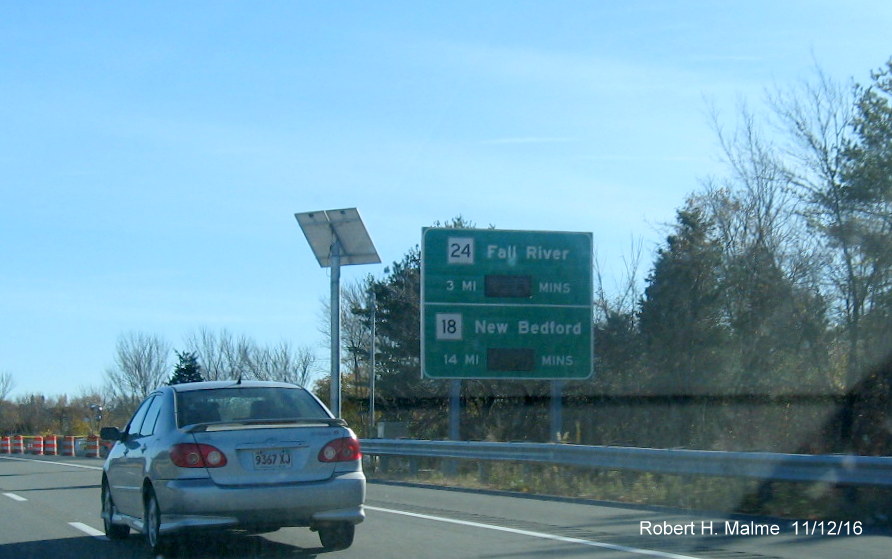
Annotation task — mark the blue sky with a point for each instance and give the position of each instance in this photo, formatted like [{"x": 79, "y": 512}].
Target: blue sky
[{"x": 152, "y": 155}]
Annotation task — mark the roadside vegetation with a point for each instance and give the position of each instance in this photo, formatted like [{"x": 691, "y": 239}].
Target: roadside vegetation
[{"x": 763, "y": 322}]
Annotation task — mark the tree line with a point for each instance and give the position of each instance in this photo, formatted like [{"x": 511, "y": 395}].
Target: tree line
[{"x": 142, "y": 362}]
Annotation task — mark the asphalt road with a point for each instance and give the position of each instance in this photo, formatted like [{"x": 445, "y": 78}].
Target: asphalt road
[{"x": 49, "y": 508}]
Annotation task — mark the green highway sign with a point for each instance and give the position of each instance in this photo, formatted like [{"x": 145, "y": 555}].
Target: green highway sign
[{"x": 506, "y": 304}]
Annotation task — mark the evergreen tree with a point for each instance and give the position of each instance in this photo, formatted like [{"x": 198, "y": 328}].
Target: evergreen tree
[
  {"x": 186, "y": 370},
  {"x": 681, "y": 319},
  {"x": 868, "y": 176},
  {"x": 869, "y": 156},
  {"x": 402, "y": 391}
]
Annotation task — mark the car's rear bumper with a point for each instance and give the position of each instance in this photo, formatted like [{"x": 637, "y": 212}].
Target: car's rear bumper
[{"x": 202, "y": 503}]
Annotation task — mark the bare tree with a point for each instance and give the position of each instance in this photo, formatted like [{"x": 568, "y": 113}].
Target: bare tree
[
  {"x": 760, "y": 187},
  {"x": 224, "y": 356},
  {"x": 355, "y": 332},
  {"x": 625, "y": 295},
  {"x": 770, "y": 266},
  {"x": 617, "y": 344},
  {"x": 205, "y": 344},
  {"x": 141, "y": 365},
  {"x": 282, "y": 363},
  {"x": 818, "y": 118},
  {"x": 7, "y": 384}
]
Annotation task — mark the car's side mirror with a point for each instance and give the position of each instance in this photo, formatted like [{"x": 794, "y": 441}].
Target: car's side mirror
[{"x": 110, "y": 433}]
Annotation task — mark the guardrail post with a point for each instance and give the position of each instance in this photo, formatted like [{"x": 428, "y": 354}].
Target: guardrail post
[
  {"x": 557, "y": 415},
  {"x": 483, "y": 469},
  {"x": 849, "y": 494}
]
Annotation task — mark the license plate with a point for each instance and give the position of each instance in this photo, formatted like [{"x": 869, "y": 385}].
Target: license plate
[{"x": 272, "y": 459}]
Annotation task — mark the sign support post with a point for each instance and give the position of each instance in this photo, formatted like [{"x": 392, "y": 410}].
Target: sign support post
[
  {"x": 455, "y": 409},
  {"x": 335, "y": 321}
]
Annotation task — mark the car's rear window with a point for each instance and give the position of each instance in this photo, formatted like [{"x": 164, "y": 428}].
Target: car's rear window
[{"x": 240, "y": 404}]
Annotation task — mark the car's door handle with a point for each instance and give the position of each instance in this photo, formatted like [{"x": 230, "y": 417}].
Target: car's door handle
[{"x": 143, "y": 448}]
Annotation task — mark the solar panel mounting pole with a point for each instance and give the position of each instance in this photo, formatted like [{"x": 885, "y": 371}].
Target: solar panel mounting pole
[
  {"x": 335, "y": 326},
  {"x": 337, "y": 238}
]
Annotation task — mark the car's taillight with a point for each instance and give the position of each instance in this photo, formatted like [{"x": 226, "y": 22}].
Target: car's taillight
[
  {"x": 341, "y": 450},
  {"x": 191, "y": 455}
]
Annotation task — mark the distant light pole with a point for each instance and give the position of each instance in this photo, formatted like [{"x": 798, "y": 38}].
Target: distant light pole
[
  {"x": 337, "y": 238},
  {"x": 372, "y": 310}
]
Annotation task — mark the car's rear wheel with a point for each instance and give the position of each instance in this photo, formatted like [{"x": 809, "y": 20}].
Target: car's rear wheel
[
  {"x": 336, "y": 536},
  {"x": 152, "y": 523},
  {"x": 112, "y": 531}
]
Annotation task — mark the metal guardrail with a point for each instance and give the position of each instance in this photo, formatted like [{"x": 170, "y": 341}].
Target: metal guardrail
[{"x": 838, "y": 469}]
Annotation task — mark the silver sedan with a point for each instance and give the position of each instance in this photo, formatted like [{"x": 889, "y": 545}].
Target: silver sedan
[{"x": 253, "y": 455}]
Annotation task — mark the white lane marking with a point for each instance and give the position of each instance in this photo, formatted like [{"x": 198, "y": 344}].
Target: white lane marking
[
  {"x": 51, "y": 462},
  {"x": 541, "y": 535},
  {"x": 89, "y": 530}
]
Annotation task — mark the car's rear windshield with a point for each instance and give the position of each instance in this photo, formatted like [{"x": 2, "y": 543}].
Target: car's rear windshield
[{"x": 246, "y": 404}]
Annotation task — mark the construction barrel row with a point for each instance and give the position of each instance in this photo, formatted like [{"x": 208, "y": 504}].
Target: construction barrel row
[{"x": 50, "y": 445}]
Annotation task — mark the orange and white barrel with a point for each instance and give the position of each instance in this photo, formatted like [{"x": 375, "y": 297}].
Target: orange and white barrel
[
  {"x": 37, "y": 445},
  {"x": 5, "y": 445},
  {"x": 92, "y": 447},
  {"x": 18, "y": 444},
  {"x": 50, "y": 446},
  {"x": 68, "y": 446}
]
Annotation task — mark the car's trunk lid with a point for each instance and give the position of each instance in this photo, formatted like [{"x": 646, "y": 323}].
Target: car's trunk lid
[{"x": 271, "y": 452}]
